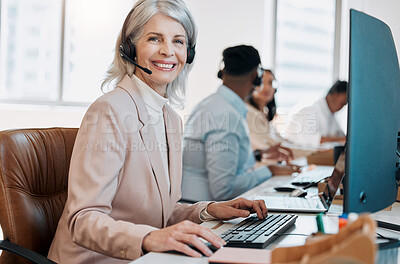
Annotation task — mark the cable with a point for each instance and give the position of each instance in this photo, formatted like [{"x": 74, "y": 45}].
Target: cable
[
  {"x": 391, "y": 242},
  {"x": 384, "y": 237},
  {"x": 311, "y": 184},
  {"x": 291, "y": 234}
]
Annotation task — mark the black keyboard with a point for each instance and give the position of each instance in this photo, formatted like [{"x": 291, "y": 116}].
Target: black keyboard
[{"x": 255, "y": 233}]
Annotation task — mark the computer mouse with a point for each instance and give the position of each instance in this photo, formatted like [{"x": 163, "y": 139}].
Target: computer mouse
[
  {"x": 299, "y": 192},
  {"x": 285, "y": 188},
  {"x": 208, "y": 244}
]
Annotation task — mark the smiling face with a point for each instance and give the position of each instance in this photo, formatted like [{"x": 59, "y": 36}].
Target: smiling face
[
  {"x": 265, "y": 93},
  {"x": 162, "y": 49}
]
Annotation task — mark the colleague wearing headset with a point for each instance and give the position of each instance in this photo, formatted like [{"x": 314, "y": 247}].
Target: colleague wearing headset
[
  {"x": 218, "y": 162},
  {"x": 126, "y": 166},
  {"x": 261, "y": 108}
]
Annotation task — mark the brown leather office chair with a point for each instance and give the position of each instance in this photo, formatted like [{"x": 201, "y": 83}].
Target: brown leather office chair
[{"x": 34, "y": 165}]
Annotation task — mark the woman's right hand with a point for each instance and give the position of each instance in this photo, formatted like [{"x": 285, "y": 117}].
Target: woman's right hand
[
  {"x": 287, "y": 169},
  {"x": 277, "y": 153},
  {"x": 179, "y": 236}
]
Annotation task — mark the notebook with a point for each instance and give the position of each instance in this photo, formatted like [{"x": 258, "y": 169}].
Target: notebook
[
  {"x": 320, "y": 203},
  {"x": 241, "y": 256}
]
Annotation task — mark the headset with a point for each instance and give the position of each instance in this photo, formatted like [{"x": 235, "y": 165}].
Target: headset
[
  {"x": 127, "y": 49},
  {"x": 256, "y": 82}
]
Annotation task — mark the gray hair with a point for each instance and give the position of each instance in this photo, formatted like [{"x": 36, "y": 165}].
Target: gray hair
[{"x": 143, "y": 10}]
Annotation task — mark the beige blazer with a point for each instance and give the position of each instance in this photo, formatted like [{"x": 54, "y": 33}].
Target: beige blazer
[{"x": 117, "y": 189}]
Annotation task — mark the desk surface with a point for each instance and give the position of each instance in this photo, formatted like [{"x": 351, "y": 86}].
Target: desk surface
[{"x": 296, "y": 235}]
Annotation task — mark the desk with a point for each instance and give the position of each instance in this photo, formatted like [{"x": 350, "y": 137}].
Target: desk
[{"x": 305, "y": 225}]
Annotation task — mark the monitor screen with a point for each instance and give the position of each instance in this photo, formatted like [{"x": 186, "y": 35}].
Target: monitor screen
[
  {"x": 334, "y": 181},
  {"x": 373, "y": 116}
]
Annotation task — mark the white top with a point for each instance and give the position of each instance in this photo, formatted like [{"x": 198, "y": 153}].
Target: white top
[
  {"x": 262, "y": 132},
  {"x": 313, "y": 122},
  {"x": 154, "y": 104}
]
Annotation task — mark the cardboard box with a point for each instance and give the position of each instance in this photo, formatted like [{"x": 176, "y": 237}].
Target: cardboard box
[
  {"x": 321, "y": 158},
  {"x": 398, "y": 195},
  {"x": 338, "y": 197}
]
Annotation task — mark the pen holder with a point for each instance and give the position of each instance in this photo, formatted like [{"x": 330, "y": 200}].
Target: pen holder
[{"x": 354, "y": 243}]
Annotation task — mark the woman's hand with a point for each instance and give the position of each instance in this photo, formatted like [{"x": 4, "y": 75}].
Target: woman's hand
[
  {"x": 179, "y": 236},
  {"x": 288, "y": 169},
  {"x": 239, "y": 207},
  {"x": 277, "y": 153}
]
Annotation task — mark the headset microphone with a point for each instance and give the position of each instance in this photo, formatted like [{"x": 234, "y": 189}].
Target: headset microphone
[{"x": 126, "y": 57}]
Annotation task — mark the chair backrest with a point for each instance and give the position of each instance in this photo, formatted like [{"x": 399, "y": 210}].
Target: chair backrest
[{"x": 34, "y": 165}]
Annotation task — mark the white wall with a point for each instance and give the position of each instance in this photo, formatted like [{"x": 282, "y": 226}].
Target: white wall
[
  {"x": 221, "y": 24},
  {"x": 385, "y": 10}
]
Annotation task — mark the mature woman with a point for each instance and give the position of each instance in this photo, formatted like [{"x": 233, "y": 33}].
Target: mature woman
[{"x": 126, "y": 166}]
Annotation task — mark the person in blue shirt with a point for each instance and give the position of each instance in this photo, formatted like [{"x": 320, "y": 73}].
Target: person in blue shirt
[{"x": 218, "y": 161}]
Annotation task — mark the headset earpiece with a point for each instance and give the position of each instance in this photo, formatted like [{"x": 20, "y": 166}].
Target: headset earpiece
[
  {"x": 258, "y": 80},
  {"x": 128, "y": 49},
  {"x": 190, "y": 54},
  {"x": 219, "y": 74},
  {"x": 128, "y": 52}
]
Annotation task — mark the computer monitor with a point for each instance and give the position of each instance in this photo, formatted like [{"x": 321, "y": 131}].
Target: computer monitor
[{"x": 373, "y": 116}]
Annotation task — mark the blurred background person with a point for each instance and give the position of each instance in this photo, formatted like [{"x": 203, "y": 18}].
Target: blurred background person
[
  {"x": 317, "y": 123},
  {"x": 218, "y": 161},
  {"x": 261, "y": 111}
]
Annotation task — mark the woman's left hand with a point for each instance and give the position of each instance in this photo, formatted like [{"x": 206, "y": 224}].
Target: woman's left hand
[
  {"x": 239, "y": 207},
  {"x": 277, "y": 153}
]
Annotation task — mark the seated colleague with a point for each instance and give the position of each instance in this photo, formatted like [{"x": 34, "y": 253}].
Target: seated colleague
[
  {"x": 261, "y": 108},
  {"x": 218, "y": 162},
  {"x": 126, "y": 167},
  {"x": 317, "y": 123}
]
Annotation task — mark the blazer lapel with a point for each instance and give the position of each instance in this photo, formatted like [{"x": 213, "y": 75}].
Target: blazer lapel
[
  {"x": 173, "y": 131},
  {"x": 149, "y": 139}
]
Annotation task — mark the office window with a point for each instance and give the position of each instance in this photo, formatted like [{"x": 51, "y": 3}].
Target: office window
[
  {"x": 30, "y": 49},
  {"x": 91, "y": 30},
  {"x": 57, "y": 51},
  {"x": 304, "y": 50}
]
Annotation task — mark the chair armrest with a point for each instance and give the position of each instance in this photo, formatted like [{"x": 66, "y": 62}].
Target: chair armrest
[{"x": 24, "y": 252}]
